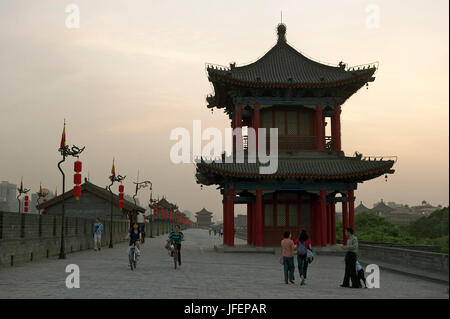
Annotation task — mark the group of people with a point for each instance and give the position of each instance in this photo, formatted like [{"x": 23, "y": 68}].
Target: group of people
[
  {"x": 304, "y": 256},
  {"x": 302, "y": 245},
  {"x": 213, "y": 230},
  {"x": 135, "y": 236}
]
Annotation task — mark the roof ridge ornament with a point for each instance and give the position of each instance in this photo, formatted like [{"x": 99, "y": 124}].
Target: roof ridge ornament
[{"x": 281, "y": 31}]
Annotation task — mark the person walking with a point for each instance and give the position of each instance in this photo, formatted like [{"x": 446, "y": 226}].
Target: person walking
[
  {"x": 221, "y": 232},
  {"x": 288, "y": 247},
  {"x": 303, "y": 245},
  {"x": 350, "y": 260},
  {"x": 98, "y": 228}
]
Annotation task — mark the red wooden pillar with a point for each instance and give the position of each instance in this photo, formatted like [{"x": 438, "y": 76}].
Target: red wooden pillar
[
  {"x": 351, "y": 209},
  {"x": 256, "y": 122},
  {"x": 333, "y": 223},
  {"x": 328, "y": 224},
  {"x": 258, "y": 220},
  {"x": 319, "y": 127},
  {"x": 316, "y": 224},
  {"x": 249, "y": 223},
  {"x": 344, "y": 221},
  {"x": 253, "y": 223},
  {"x": 323, "y": 217},
  {"x": 336, "y": 128},
  {"x": 225, "y": 222},
  {"x": 228, "y": 218}
]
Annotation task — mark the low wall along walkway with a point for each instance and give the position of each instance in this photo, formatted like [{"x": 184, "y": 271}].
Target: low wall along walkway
[{"x": 28, "y": 237}]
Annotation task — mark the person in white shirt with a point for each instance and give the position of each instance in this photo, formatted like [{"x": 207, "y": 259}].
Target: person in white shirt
[{"x": 140, "y": 219}]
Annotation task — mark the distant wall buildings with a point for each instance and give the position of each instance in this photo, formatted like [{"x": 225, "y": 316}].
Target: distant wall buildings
[
  {"x": 204, "y": 218},
  {"x": 8, "y": 200},
  {"x": 398, "y": 214}
]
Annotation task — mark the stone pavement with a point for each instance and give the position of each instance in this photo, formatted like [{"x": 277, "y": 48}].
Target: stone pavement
[{"x": 204, "y": 274}]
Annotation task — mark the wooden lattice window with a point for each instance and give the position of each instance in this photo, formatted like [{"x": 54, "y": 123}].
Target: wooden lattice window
[
  {"x": 280, "y": 122},
  {"x": 268, "y": 215},
  {"x": 306, "y": 123},
  {"x": 293, "y": 215},
  {"x": 306, "y": 213},
  {"x": 292, "y": 124},
  {"x": 281, "y": 215}
]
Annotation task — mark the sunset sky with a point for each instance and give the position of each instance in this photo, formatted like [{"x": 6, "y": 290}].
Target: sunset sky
[{"x": 135, "y": 70}]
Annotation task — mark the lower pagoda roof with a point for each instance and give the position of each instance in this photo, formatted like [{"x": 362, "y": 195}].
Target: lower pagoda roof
[{"x": 338, "y": 168}]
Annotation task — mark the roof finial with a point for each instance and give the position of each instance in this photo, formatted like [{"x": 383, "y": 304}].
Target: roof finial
[{"x": 281, "y": 31}]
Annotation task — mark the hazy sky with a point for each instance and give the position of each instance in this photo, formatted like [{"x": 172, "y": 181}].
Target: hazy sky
[{"x": 135, "y": 70}]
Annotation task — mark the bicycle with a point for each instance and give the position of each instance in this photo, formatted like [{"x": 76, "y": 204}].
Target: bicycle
[
  {"x": 132, "y": 256},
  {"x": 173, "y": 252}
]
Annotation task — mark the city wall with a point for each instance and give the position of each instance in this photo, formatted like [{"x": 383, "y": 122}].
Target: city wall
[{"x": 29, "y": 237}]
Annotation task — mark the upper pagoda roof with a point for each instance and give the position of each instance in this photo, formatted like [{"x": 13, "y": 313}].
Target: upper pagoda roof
[
  {"x": 284, "y": 66},
  {"x": 325, "y": 167}
]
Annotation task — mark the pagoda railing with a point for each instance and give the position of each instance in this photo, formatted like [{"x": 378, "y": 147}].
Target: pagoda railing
[
  {"x": 379, "y": 158},
  {"x": 295, "y": 143},
  {"x": 290, "y": 143}
]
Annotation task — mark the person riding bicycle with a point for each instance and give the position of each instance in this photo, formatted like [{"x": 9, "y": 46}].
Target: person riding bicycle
[
  {"x": 176, "y": 236},
  {"x": 135, "y": 237}
]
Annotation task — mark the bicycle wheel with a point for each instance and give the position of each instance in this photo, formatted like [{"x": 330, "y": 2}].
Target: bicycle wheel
[{"x": 130, "y": 258}]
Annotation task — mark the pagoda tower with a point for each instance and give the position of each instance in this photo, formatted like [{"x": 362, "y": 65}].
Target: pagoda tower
[{"x": 286, "y": 90}]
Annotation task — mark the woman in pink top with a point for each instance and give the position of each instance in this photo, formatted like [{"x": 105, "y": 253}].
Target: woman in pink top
[
  {"x": 303, "y": 244},
  {"x": 288, "y": 247}
]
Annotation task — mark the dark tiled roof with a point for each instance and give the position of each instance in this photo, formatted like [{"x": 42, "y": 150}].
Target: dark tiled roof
[
  {"x": 285, "y": 66},
  {"x": 383, "y": 208},
  {"x": 305, "y": 168},
  {"x": 166, "y": 204},
  {"x": 96, "y": 190},
  {"x": 203, "y": 212},
  {"x": 362, "y": 208}
]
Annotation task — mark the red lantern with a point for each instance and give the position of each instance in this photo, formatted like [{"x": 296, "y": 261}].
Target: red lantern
[
  {"x": 77, "y": 166},
  {"x": 156, "y": 210},
  {"x": 77, "y": 179},
  {"x": 26, "y": 198},
  {"x": 26, "y": 203},
  {"x": 77, "y": 191},
  {"x": 121, "y": 196},
  {"x": 25, "y": 209},
  {"x": 44, "y": 210}
]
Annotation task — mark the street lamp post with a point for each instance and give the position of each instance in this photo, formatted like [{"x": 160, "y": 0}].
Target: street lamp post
[
  {"x": 65, "y": 152},
  {"x": 21, "y": 191},
  {"x": 40, "y": 195},
  {"x": 151, "y": 205},
  {"x": 113, "y": 178}
]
